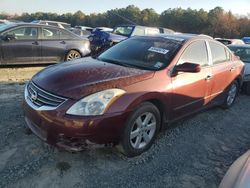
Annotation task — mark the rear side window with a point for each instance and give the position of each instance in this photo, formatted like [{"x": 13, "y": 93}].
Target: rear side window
[
  {"x": 196, "y": 53},
  {"x": 219, "y": 54}
]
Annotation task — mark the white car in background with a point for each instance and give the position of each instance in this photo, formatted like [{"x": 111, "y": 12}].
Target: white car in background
[{"x": 243, "y": 51}]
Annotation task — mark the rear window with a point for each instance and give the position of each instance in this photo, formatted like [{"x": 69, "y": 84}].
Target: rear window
[{"x": 153, "y": 53}]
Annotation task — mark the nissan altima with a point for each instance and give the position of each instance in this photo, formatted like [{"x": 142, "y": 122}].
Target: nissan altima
[{"x": 130, "y": 92}]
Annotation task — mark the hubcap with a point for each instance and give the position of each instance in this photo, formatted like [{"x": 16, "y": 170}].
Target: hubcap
[
  {"x": 143, "y": 130},
  {"x": 231, "y": 94},
  {"x": 73, "y": 55}
]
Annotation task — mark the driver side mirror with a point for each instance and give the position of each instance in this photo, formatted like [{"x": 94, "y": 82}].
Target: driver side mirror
[
  {"x": 188, "y": 67},
  {"x": 9, "y": 37}
]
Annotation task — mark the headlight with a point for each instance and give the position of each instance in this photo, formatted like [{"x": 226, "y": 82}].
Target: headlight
[{"x": 95, "y": 104}]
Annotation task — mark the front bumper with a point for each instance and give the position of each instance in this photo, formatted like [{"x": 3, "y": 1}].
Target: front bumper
[{"x": 74, "y": 133}]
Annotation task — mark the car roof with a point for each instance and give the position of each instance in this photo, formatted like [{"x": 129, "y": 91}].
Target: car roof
[
  {"x": 51, "y": 21},
  {"x": 185, "y": 36},
  {"x": 12, "y": 25}
]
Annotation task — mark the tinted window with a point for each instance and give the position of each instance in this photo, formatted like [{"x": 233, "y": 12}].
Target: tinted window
[
  {"x": 51, "y": 33},
  {"x": 152, "y": 53},
  {"x": 24, "y": 33},
  {"x": 196, "y": 52},
  {"x": 218, "y": 53},
  {"x": 126, "y": 30}
]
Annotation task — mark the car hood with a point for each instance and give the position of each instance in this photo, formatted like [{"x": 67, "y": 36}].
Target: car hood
[
  {"x": 238, "y": 175},
  {"x": 116, "y": 38},
  {"x": 82, "y": 77}
]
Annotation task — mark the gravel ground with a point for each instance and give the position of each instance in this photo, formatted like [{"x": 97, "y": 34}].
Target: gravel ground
[{"x": 195, "y": 152}]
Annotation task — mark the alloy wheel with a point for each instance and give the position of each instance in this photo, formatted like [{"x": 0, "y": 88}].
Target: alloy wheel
[
  {"x": 143, "y": 130},
  {"x": 73, "y": 55},
  {"x": 232, "y": 94}
]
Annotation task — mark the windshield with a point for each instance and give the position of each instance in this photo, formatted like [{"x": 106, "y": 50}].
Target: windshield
[
  {"x": 124, "y": 30},
  {"x": 150, "y": 53},
  {"x": 243, "y": 53}
]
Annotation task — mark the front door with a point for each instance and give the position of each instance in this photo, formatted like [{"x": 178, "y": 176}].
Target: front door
[
  {"x": 23, "y": 48},
  {"x": 190, "y": 90}
]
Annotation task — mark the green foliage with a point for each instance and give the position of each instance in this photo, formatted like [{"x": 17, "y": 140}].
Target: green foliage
[{"x": 216, "y": 22}]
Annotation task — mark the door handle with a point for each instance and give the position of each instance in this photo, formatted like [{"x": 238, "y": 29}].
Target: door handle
[
  {"x": 63, "y": 42},
  {"x": 232, "y": 69},
  {"x": 209, "y": 77},
  {"x": 35, "y": 43}
]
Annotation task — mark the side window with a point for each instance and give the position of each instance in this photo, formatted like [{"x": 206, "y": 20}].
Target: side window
[
  {"x": 138, "y": 31},
  {"x": 152, "y": 31},
  {"x": 196, "y": 53},
  {"x": 66, "y": 35},
  {"x": 24, "y": 33},
  {"x": 218, "y": 53},
  {"x": 51, "y": 34}
]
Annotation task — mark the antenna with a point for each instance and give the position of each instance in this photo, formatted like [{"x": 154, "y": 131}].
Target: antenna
[{"x": 124, "y": 18}]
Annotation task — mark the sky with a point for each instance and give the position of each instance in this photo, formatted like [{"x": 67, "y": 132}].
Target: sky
[{"x": 241, "y": 7}]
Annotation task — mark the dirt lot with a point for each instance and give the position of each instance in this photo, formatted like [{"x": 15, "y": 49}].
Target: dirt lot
[{"x": 195, "y": 152}]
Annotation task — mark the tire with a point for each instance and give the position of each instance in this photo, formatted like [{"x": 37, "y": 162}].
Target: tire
[
  {"x": 231, "y": 95},
  {"x": 72, "y": 54},
  {"x": 140, "y": 130}
]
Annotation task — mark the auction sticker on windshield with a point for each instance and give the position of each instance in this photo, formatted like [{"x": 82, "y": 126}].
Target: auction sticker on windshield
[{"x": 158, "y": 50}]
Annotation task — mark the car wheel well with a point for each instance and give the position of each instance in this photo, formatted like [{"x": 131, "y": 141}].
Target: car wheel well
[
  {"x": 239, "y": 81},
  {"x": 160, "y": 107}
]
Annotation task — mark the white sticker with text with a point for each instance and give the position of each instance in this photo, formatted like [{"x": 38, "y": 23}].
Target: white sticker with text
[{"x": 158, "y": 50}]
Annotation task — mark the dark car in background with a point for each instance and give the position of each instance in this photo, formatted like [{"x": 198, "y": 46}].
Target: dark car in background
[
  {"x": 131, "y": 91},
  {"x": 230, "y": 41},
  {"x": 243, "y": 51},
  {"x": 246, "y": 40},
  {"x": 34, "y": 44},
  {"x": 100, "y": 40}
]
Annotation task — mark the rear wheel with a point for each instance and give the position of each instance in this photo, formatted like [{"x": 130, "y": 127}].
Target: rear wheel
[
  {"x": 72, "y": 54},
  {"x": 231, "y": 94},
  {"x": 141, "y": 130}
]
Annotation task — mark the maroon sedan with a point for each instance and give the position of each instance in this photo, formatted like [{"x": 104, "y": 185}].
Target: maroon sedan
[{"x": 131, "y": 91}]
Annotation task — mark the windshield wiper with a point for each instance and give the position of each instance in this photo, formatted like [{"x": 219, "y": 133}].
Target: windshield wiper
[{"x": 117, "y": 62}]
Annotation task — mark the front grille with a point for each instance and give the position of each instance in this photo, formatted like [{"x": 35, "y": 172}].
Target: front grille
[{"x": 39, "y": 97}]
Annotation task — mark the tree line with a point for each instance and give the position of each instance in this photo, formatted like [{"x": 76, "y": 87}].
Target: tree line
[{"x": 216, "y": 22}]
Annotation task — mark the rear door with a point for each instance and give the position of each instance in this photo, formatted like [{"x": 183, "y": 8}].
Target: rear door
[
  {"x": 191, "y": 90},
  {"x": 53, "y": 47},
  {"x": 223, "y": 70},
  {"x": 24, "y": 49}
]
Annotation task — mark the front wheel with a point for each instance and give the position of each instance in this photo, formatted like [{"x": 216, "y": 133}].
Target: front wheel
[
  {"x": 72, "y": 54},
  {"x": 141, "y": 130},
  {"x": 231, "y": 94}
]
